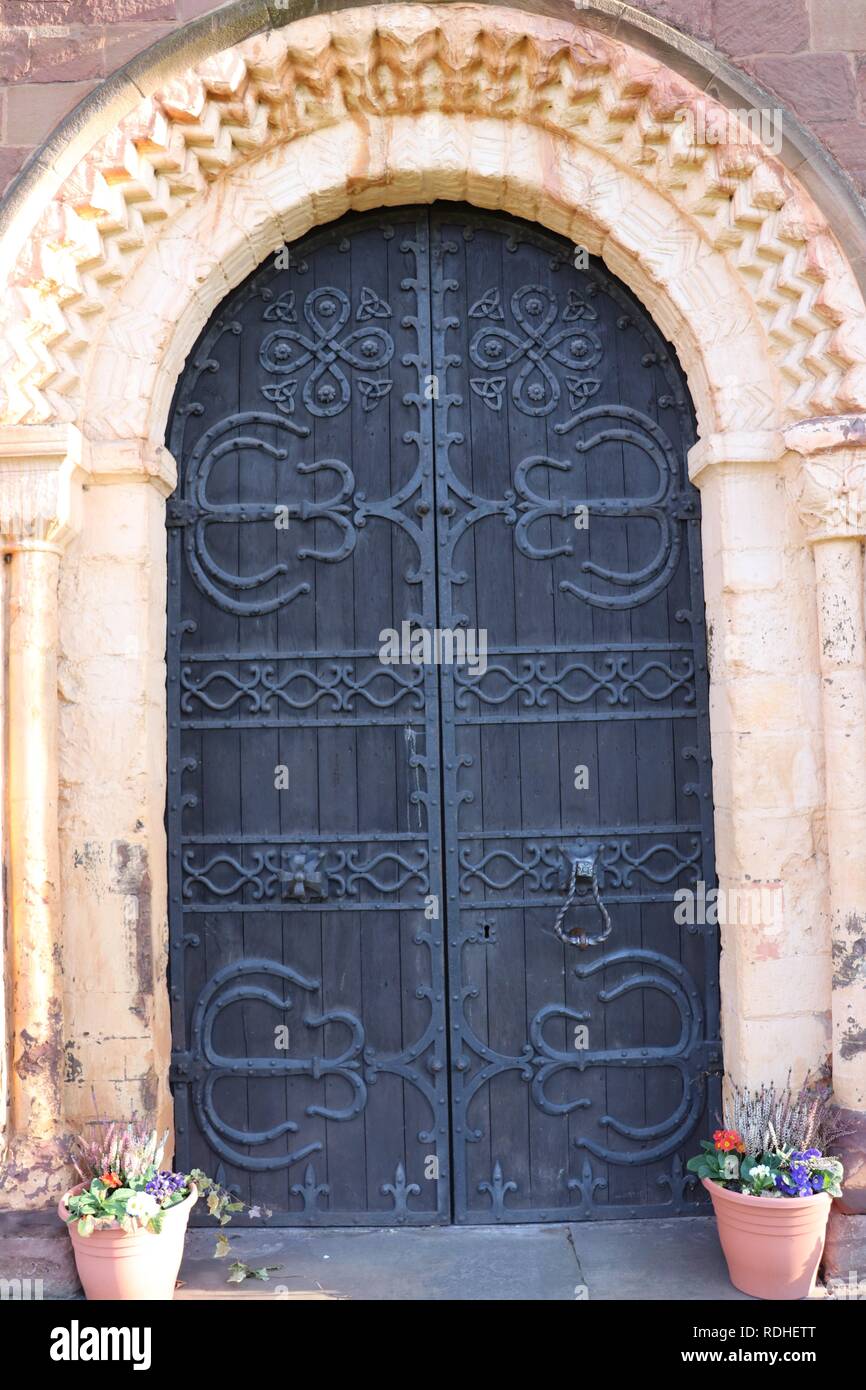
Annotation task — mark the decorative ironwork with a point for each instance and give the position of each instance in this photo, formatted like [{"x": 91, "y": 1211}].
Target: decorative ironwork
[
  {"x": 611, "y": 522},
  {"x": 301, "y": 874},
  {"x": 326, "y": 391},
  {"x": 196, "y": 513},
  {"x": 203, "y": 1066},
  {"x": 581, "y": 561},
  {"x": 538, "y": 863},
  {"x": 497, "y": 1189},
  {"x": 262, "y": 688},
  {"x": 400, "y": 1191},
  {"x": 244, "y": 683},
  {"x": 271, "y": 874},
  {"x": 579, "y": 878},
  {"x": 309, "y": 1190},
  {"x": 660, "y": 507},
  {"x": 542, "y": 329},
  {"x": 623, "y": 679}
]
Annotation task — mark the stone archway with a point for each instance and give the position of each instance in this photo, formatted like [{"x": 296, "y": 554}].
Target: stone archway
[{"x": 114, "y": 264}]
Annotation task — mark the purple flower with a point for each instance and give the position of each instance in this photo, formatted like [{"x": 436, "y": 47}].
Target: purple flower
[{"x": 163, "y": 1185}]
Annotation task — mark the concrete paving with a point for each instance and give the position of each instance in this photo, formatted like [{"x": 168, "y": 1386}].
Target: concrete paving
[
  {"x": 605, "y": 1261},
  {"x": 608, "y": 1260},
  {"x": 440, "y": 1263}
]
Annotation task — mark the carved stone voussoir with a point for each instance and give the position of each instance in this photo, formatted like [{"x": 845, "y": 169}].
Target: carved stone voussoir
[{"x": 403, "y": 62}]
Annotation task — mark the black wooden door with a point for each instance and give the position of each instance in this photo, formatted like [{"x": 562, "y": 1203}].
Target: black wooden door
[{"x": 381, "y": 875}]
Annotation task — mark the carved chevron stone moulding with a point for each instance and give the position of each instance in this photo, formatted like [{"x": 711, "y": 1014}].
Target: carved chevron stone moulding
[{"x": 403, "y": 61}]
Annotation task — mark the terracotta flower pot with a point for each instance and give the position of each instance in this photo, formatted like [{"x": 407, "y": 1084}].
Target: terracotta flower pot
[
  {"x": 772, "y": 1245},
  {"x": 115, "y": 1266}
]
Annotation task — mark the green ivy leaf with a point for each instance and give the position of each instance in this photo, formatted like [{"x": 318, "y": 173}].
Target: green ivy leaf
[{"x": 222, "y": 1247}]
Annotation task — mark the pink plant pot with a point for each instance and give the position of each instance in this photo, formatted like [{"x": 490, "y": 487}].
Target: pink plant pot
[
  {"x": 114, "y": 1266},
  {"x": 772, "y": 1245}
]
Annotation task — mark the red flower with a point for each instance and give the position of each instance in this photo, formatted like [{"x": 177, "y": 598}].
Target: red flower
[
  {"x": 112, "y": 1180},
  {"x": 728, "y": 1139}
]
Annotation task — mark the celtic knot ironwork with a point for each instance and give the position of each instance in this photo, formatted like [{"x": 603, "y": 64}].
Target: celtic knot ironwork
[
  {"x": 571, "y": 343},
  {"x": 326, "y": 391}
]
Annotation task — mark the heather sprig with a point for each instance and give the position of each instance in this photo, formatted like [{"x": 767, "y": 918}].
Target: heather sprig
[
  {"x": 774, "y": 1143},
  {"x": 780, "y": 1121}
]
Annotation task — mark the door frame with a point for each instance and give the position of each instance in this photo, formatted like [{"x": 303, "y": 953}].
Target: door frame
[{"x": 87, "y": 477}]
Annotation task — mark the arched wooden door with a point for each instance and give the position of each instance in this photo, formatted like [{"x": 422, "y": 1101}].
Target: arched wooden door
[{"x": 424, "y": 961}]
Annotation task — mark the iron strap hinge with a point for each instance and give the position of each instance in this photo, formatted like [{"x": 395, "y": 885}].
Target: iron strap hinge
[
  {"x": 180, "y": 512},
  {"x": 709, "y": 1051},
  {"x": 185, "y": 1068}
]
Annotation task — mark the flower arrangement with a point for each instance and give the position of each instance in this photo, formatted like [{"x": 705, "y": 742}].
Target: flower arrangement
[
  {"x": 124, "y": 1182},
  {"x": 125, "y": 1185},
  {"x": 774, "y": 1145}
]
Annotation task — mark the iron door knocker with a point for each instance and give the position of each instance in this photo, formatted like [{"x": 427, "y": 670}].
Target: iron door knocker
[{"x": 578, "y": 875}]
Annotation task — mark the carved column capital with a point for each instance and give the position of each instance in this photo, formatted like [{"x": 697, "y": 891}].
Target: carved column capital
[
  {"x": 42, "y": 471},
  {"x": 828, "y": 487}
]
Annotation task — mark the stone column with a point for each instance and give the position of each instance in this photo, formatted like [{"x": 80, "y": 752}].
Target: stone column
[
  {"x": 113, "y": 782},
  {"x": 41, "y": 474},
  {"x": 765, "y": 721},
  {"x": 829, "y": 490}
]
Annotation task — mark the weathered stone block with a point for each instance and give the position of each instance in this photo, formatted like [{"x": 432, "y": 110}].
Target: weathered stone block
[
  {"x": 819, "y": 86},
  {"x": 773, "y": 26}
]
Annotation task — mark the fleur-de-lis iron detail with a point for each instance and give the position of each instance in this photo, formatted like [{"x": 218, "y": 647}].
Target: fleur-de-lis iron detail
[
  {"x": 400, "y": 1191},
  {"x": 498, "y": 1189},
  {"x": 309, "y": 1190},
  {"x": 587, "y": 1185}
]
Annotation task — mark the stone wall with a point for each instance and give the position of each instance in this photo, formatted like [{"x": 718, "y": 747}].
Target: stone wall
[{"x": 810, "y": 53}]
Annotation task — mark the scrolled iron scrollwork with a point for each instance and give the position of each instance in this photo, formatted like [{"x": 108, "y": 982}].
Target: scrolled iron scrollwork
[
  {"x": 203, "y": 1066},
  {"x": 663, "y": 507},
  {"x": 619, "y": 678},
  {"x": 262, "y": 873},
  {"x": 196, "y": 512}
]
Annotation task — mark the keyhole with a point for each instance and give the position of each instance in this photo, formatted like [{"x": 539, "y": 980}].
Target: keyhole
[{"x": 486, "y": 930}]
